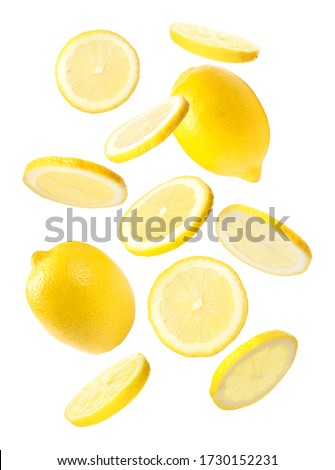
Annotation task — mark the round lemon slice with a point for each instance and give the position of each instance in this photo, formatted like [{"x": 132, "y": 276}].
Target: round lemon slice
[
  {"x": 213, "y": 44},
  {"x": 253, "y": 370},
  {"x": 97, "y": 71},
  {"x": 146, "y": 131},
  {"x": 261, "y": 241},
  {"x": 166, "y": 217},
  {"x": 75, "y": 182},
  {"x": 198, "y": 306},
  {"x": 109, "y": 392}
]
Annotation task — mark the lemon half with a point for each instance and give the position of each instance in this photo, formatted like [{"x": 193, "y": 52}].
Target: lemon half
[
  {"x": 213, "y": 44},
  {"x": 198, "y": 306},
  {"x": 145, "y": 131},
  {"x": 253, "y": 369},
  {"x": 167, "y": 216},
  {"x": 97, "y": 71},
  {"x": 75, "y": 182},
  {"x": 262, "y": 241},
  {"x": 109, "y": 392}
]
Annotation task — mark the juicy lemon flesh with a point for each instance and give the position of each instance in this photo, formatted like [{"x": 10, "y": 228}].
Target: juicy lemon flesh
[
  {"x": 91, "y": 70},
  {"x": 262, "y": 246},
  {"x": 171, "y": 202},
  {"x": 193, "y": 304},
  {"x": 163, "y": 215},
  {"x": 142, "y": 127},
  {"x": 109, "y": 392},
  {"x": 254, "y": 372},
  {"x": 213, "y": 44},
  {"x": 75, "y": 188},
  {"x": 197, "y": 306}
]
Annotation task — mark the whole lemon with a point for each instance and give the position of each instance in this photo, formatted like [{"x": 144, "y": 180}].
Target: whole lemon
[
  {"x": 81, "y": 296},
  {"x": 226, "y": 129}
]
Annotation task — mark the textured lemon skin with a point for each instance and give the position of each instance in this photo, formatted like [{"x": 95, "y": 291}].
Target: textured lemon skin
[
  {"x": 248, "y": 347},
  {"x": 154, "y": 140},
  {"x": 81, "y": 297},
  {"x": 158, "y": 249},
  {"x": 59, "y": 80},
  {"x": 123, "y": 398},
  {"x": 222, "y": 54},
  {"x": 226, "y": 130},
  {"x": 290, "y": 234},
  {"x": 161, "y": 279}
]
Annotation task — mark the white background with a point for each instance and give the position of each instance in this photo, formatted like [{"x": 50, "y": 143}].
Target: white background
[{"x": 174, "y": 415}]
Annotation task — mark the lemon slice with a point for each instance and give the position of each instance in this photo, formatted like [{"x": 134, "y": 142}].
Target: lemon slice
[
  {"x": 213, "y": 44},
  {"x": 97, "y": 71},
  {"x": 166, "y": 217},
  {"x": 109, "y": 392},
  {"x": 261, "y": 241},
  {"x": 75, "y": 182},
  {"x": 198, "y": 306},
  {"x": 253, "y": 370},
  {"x": 147, "y": 130}
]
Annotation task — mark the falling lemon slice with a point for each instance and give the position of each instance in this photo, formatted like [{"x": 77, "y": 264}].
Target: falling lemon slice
[
  {"x": 198, "y": 306},
  {"x": 261, "y": 241},
  {"x": 166, "y": 217},
  {"x": 253, "y": 370},
  {"x": 109, "y": 392},
  {"x": 75, "y": 182},
  {"x": 97, "y": 71},
  {"x": 213, "y": 44},
  {"x": 147, "y": 130}
]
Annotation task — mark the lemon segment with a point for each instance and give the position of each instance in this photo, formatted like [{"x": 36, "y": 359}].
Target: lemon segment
[
  {"x": 166, "y": 217},
  {"x": 213, "y": 44},
  {"x": 253, "y": 370},
  {"x": 75, "y": 182},
  {"x": 261, "y": 241},
  {"x": 146, "y": 131},
  {"x": 97, "y": 71},
  {"x": 108, "y": 393},
  {"x": 197, "y": 306}
]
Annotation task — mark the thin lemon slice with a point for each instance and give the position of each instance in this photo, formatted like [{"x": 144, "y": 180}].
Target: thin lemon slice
[
  {"x": 75, "y": 182},
  {"x": 109, "y": 392},
  {"x": 166, "y": 217},
  {"x": 253, "y": 370},
  {"x": 147, "y": 130},
  {"x": 261, "y": 241},
  {"x": 198, "y": 306},
  {"x": 97, "y": 71},
  {"x": 213, "y": 44}
]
